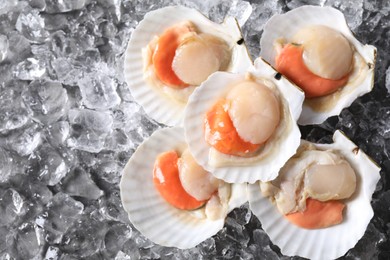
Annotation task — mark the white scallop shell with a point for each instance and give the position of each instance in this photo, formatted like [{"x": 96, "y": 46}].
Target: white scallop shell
[
  {"x": 149, "y": 212},
  {"x": 331, "y": 242},
  {"x": 156, "y": 104},
  {"x": 286, "y": 25},
  {"x": 214, "y": 88}
]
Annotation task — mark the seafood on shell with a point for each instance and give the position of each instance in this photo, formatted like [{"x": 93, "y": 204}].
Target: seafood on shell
[
  {"x": 331, "y": 47},
  {"x": 220, "y": 45}
]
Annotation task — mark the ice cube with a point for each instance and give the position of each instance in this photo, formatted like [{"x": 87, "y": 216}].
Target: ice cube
[
  {"x": 352, "y": 10},
  {"x": 262, "y": 12},
  {"x": 5, "y": 6},
  {"x": 52, "y": 253},
  {"x": 30, "y": 69},
  {"x": 116, "y": 237},
  {"x": 118, "y": 141},
  {"x": 124, "y": 92},
  {"x": 107, "y": 168},
  {"x": 89, "y": 129},
  {"x": 109, "y": 30},
  {"x": 218, "y": 10},
  {"x": 5, "y": 165},
  {"x": 131, "y": 250},
  {"x": 47, "y": 165},
  {"x": 241, "y": 10},
  {"x": 292, "y": 4},
  {"x": 192, "y": 253},
  {"x": 253, "y": 28},
  {"x": 85, "y": 236},
  {"x": 35, "y": 191},
  {"x": 24, "y": 141},
  {"x": 122, "y": 256},
  {"x": 368, "y": 246},
  {"x": 55, "y": 22},
  {"x": 38, "y": 4},
  {"x": 127, "y": 115},
  {"x": 61, "y": 212},
  {"x": 94, "y": 121},
  {"x": 236, "y": 231},
  {"x": 59, "y": 6},
  {"x": 207, "y": 247},
  {"x": 58, "y": 132},
  {"x": 47, "y": 100},
  {"x": 3, "y": 47},
  {"x": 32, "y": 26},
  {"x": 19, "y": 47},
  {"x": 79, "y": 183},
  {"x": 242, "y": 214},
  {"x": 27, "y": 241},
  {"x": 67, "y": 72},
  {"x": 12, "y": 115},
  {"x": 11, "y": 207},
  {"x": 265, "y": 252},
  {"x": 5, "y": 238},
  {"x": 99, "y": 91},
  {"x": 110, "y": 207}
]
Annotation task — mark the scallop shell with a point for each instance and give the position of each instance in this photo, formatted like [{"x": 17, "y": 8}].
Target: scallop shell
[
  {"x": 156, "y": 104},
  {"x": 282, "y": 149},
  {"x": 286, "y": 25},
  {"x": 331, "y": 242},
  {"x": 149, "y": 212}
]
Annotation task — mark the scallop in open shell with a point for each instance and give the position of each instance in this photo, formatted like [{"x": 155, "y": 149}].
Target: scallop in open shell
[
  {"x": 263, "y": 165},
  {"x": 284, "y": 27},
  {"x": 330, "y": 242},
  {"x": 162, "y": 103},
  {"x": 150, "y": 213}
]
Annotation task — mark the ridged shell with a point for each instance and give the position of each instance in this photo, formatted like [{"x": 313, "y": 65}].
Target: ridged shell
[
  {"x": 286, "y": 25},
  {"x": 149, "y": 212},
  {"x": 156, "y": 104},
  {"x": 331, "y": 242},
  {"x": 214, "y": 88}
]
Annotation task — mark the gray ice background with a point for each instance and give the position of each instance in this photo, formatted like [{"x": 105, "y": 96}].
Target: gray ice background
[{"x": 68, "y": 125}]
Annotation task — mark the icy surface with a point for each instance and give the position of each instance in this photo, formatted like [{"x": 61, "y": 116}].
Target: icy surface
[{"x": 68, "y": 125}]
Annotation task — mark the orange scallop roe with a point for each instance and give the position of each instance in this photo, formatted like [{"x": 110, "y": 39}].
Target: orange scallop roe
[
  {"x": 318, "y": 214},
  {"x": 221, "y": 134},
  {"x": 167, "y": 181},
  {"x": 290, "y": 63},
  {"x": 165, "y": 52}
]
